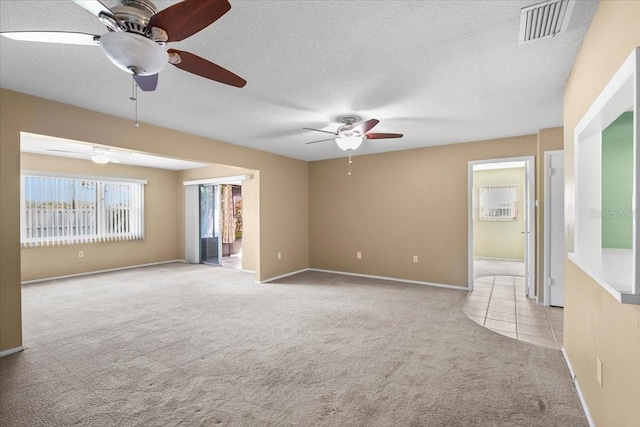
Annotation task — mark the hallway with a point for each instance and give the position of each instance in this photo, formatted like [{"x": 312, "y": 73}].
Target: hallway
[{"x": 498, "y": 303}]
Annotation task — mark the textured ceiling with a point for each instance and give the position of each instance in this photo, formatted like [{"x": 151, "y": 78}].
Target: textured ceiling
[{"x": 440, "y": 72}]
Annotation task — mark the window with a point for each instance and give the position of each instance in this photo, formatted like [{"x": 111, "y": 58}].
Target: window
[
  {"x": 58, "y": 210},
  {"x": 498, "y": 202}
]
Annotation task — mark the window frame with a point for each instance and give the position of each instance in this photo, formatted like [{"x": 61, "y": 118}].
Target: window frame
[{"x": 102, "y": 232}]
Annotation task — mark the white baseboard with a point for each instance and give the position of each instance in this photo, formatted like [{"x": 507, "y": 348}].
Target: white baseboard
[
  {"x": 585, "y": 408},
  {"x": 88, "y": 273},
  {"x": 392, "y": 279},
  {"x": 498, "y": 259},
  {"x": 11, "y": 351},
  {"x": 282, "y": 276}
]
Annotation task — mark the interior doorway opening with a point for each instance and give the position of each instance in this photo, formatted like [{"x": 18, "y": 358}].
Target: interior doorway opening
[
  {"x": 501, "y": 222},
  {"x": 221, "y": 225}
]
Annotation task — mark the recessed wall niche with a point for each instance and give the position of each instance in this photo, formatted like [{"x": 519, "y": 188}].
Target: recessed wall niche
[{"x": 607, "y": 158}]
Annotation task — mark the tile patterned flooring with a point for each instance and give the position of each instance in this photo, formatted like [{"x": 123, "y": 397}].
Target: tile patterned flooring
[{"x": 498, "y": 303}]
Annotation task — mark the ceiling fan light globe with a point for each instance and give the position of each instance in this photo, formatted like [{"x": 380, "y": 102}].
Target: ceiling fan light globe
[
  {"x": 100, "y": 159},
  {"x": 350, "y": 142},
  {"x": 134, "y": 53}
]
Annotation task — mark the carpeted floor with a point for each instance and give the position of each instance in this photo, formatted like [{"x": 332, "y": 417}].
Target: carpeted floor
[{"x": 194, "y": 345}]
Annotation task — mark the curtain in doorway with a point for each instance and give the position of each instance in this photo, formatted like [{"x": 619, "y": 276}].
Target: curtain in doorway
[
  {"x": 228, "y": 222},
  {"x": 192, "y": 224}
]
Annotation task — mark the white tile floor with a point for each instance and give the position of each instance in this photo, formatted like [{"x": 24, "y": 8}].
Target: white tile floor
[{"x": 498, "y": 303}]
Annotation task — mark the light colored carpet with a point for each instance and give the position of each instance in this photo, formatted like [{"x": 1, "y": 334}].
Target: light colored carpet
[{"x": 196, "y": 345}]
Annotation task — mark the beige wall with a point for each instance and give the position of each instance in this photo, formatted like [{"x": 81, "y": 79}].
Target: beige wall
[
  {"x": 548, "y": 140},
  {"x": 159, "y": 244},
  {"x": 250, "y": 209},
  {"x": 397, "y": 205},
  {"x": 499, "y": 239},
  {"x": 283, "y": 197},
  {"x": 596, "y": 325}
]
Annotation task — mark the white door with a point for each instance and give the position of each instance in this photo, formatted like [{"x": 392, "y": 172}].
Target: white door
[{"x": 554, "y": 227}]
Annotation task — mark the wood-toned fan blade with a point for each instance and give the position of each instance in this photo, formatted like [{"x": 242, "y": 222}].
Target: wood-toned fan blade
[
  {"x": 203, "y": 68},
  {"x": 319, "y": 130},
  {"x": 322, "y": 140},
  {"x": 63, "y": 37},
  {"x": 94, "y": 7},
  {"x": 147, "y": 83},
  {"x": 383, "y": 135},
  {"x": 365, "y": 127},
  {"x": 186, "y": 18}
]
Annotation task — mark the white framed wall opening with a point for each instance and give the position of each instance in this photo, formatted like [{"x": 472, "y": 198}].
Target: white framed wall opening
[{"x": 607, "y": 158}]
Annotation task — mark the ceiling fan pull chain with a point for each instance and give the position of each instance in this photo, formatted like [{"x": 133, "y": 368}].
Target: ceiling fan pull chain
[
  {"x": 350, "y": 161},
  {"x": 134, "y": 98}
]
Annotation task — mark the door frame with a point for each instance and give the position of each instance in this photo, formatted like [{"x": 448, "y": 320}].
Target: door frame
[
  {"x": 547, "y": 229},
  {"x": 530, "y": 223},
  {"x": 192, "y": 210}
]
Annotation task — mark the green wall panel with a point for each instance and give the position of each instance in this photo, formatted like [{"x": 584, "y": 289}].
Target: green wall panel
[{"x": 617, "y": 183}]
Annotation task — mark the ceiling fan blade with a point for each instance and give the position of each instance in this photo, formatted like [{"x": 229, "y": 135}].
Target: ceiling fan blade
[
  {"x": 69, "y": 151},
  {"x": 94, "y": 7},
  {"x": 63, "y": 37},
  {"x": 147, "y": 83},
  {"x": 186, "y": 18},
  {"x": 113, "y": 160},
  {"x": 365, "y": 127},
  {"x": 319, "y": 130},
  {"x": 203, "y": 68},
  {"x": 322, "y": 140},
  {"x": 383, "y": 135}
]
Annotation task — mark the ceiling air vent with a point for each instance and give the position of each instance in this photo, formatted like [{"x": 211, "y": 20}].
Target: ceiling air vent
[{"x": 544, "y": 19}]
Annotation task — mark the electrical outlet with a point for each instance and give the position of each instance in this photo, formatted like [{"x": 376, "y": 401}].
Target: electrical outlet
[
  {"x": 415, "y": 258},
  {"x": 279, "y": 255},
  {"x": 80, "y": 254},
  {"x": 359, "y": 255},
  {"x": 599, "y": 370}
]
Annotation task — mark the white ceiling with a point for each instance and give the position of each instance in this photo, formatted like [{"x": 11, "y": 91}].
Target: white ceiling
[
  {"x": 59, "y": 147},
  {"x": 440, "y": 72}
]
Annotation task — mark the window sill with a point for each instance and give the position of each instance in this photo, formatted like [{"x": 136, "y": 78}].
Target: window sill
[{"x": 610, "y": 270}]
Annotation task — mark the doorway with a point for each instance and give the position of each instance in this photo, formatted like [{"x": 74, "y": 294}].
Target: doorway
[
  {"x": 501, "y": 214},
  {"x": 221, "y": 225},
  {"x": 214, "y": 221},
  {"x": 231, "y": 221}
]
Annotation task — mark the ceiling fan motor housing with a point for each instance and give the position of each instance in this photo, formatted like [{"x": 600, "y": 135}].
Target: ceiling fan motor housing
[
  {"x": 347, "y": 128},
  {"x": 134, "y": 15},
  {"x": 134, "y": 49}
]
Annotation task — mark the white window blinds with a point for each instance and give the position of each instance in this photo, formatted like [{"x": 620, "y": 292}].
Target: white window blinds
[
  {"x": 60, "y": 210},
  {"x": 498, "y": 202}
]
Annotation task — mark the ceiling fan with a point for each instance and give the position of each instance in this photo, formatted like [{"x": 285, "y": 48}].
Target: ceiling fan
[
  {"x": 100, "y": 156},
  {"x": 350, "y": 135},
  {"x": 137, "y": 36}
]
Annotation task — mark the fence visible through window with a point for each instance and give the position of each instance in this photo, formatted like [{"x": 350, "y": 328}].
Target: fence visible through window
[{"x": 58, "y": 210}]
